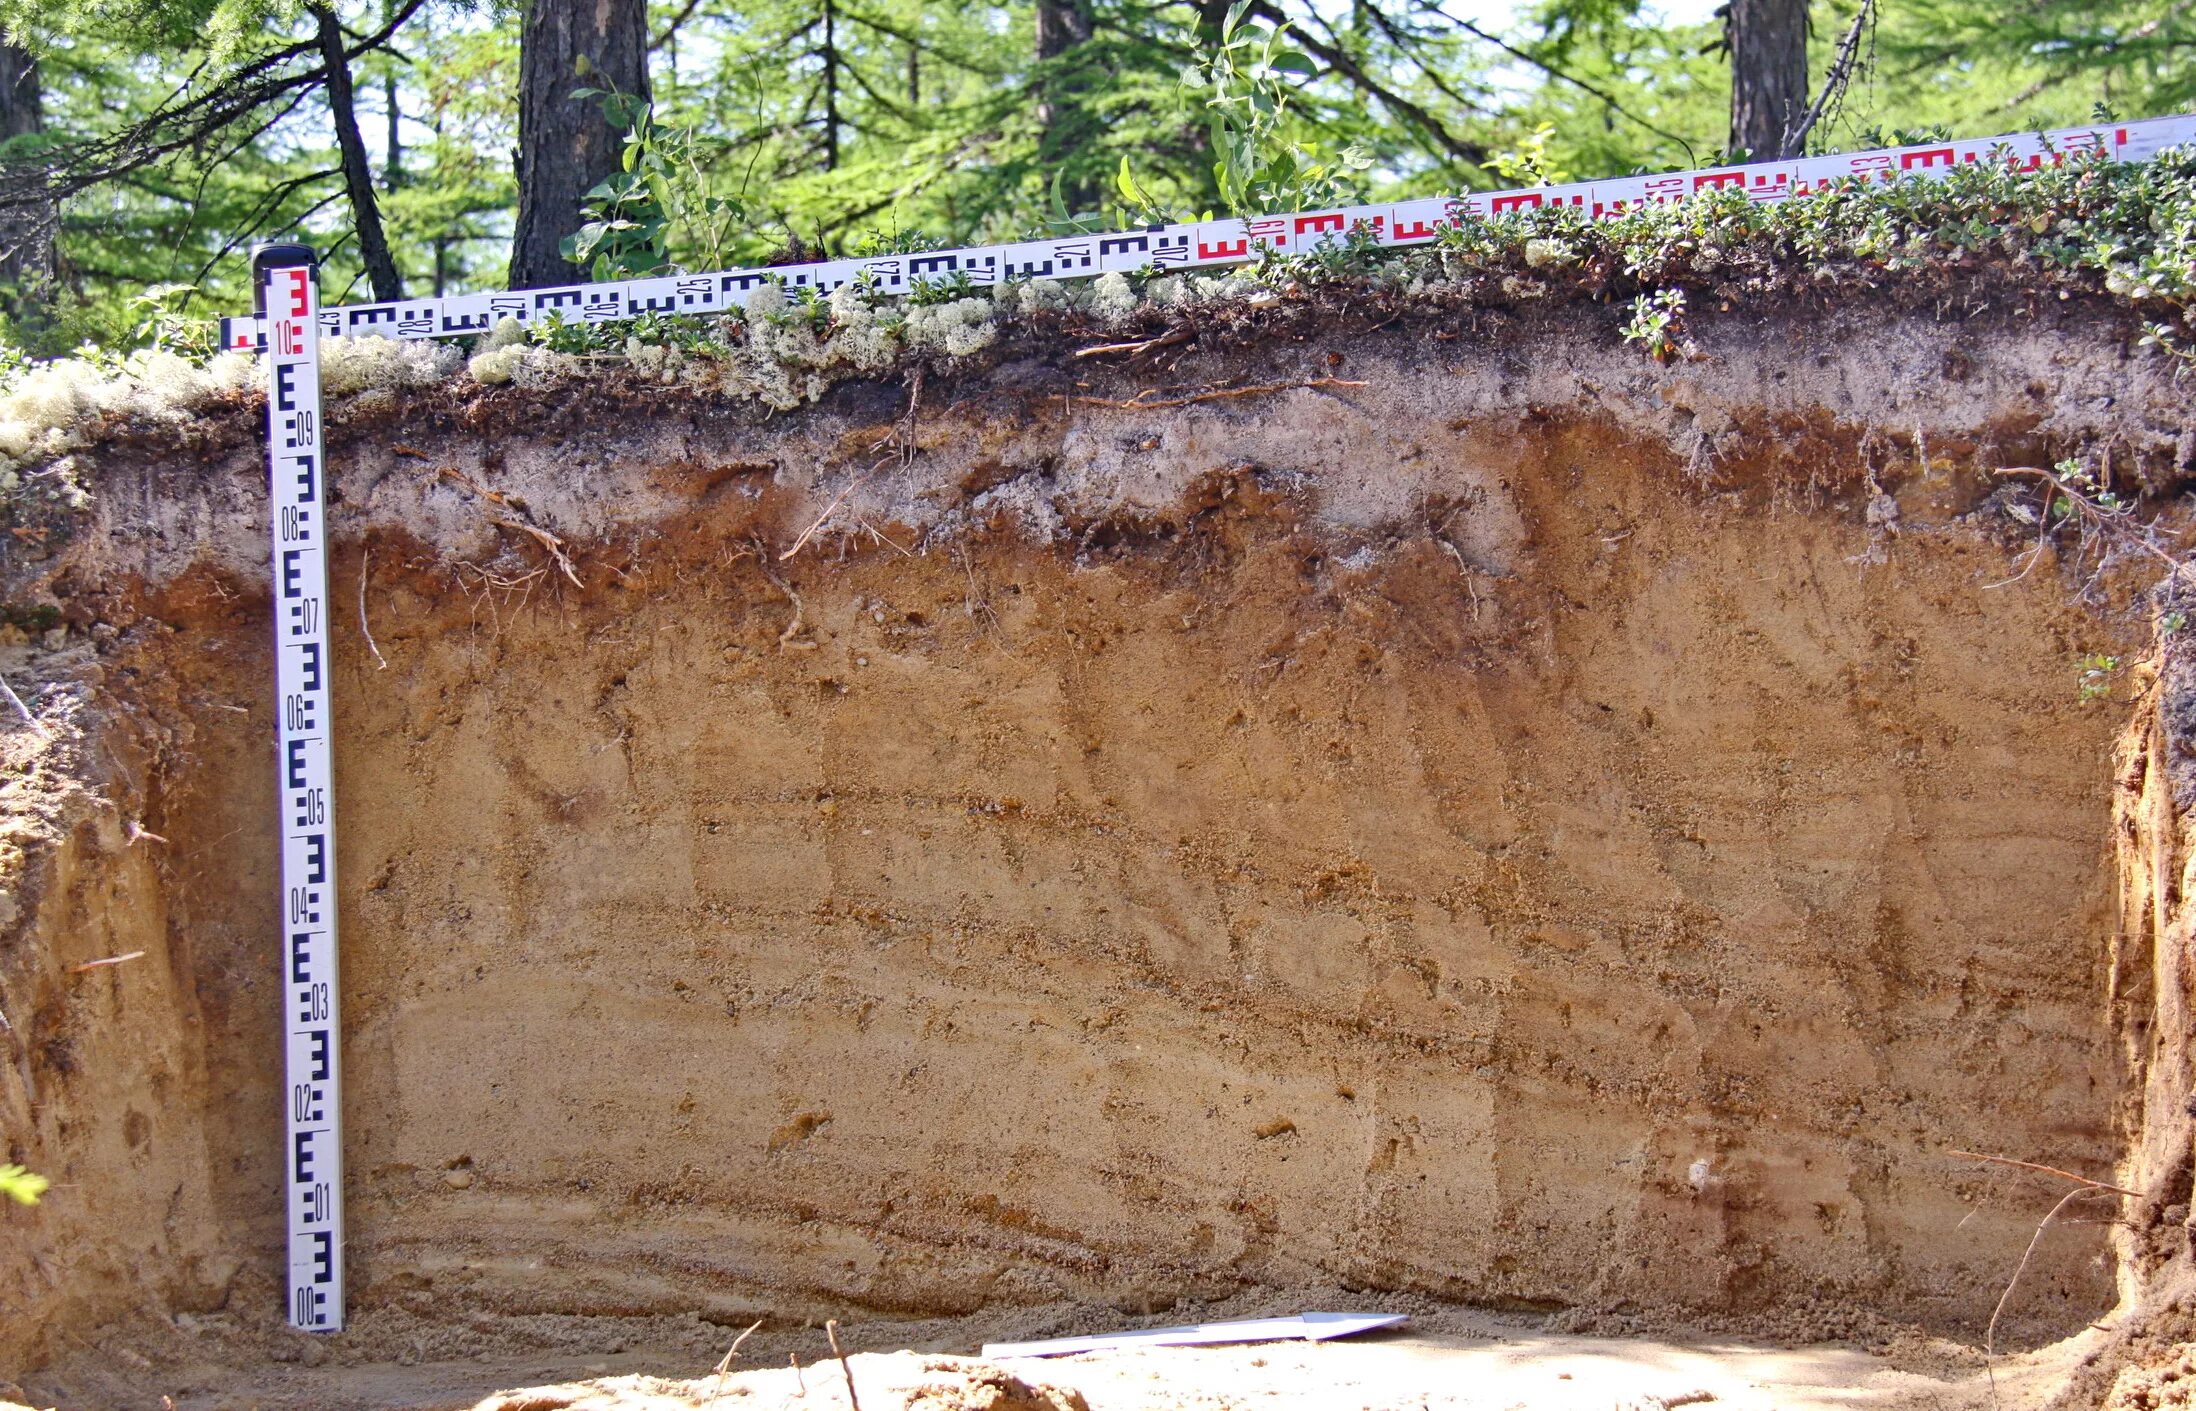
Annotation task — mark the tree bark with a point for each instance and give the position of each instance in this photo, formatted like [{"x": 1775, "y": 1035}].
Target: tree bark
[
  {"x": 1211, "y": 15},
  {"x": 830, "y": 55},
  {"x": 566, "y": 145},
  {"x": 1061, "y": 26},
  {"x": 27, "y": 264},
  {"x": 358, "y": 178},
  {"x": 392, "y": 165},
  {"x": 1768, "y": 42}
]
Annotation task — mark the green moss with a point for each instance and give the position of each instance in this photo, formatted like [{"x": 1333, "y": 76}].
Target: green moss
[
  {"x": 31, "y": 617},
  {"x": 2125, "y": 230}
]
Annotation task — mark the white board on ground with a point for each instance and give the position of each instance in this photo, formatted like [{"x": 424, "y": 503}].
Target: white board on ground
[{"x": 1303, "y": 1327}]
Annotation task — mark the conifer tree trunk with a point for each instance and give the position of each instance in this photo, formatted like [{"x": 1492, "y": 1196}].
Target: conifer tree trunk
[
  {"x": 831, "y": 61},
  {"x": 1211, "y": 15},
  {"x": 1768, "y": 42},
  {"x": 1062, "y": 25},
  {"x": 566, "y": 145},
  {"x": 358, "y": 178},
  {"x": 392, "y": 165},
  {"x": 27, "y": 265}
]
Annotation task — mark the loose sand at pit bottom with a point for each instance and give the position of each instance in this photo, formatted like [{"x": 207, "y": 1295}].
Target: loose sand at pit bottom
[
  {"x": 1414, "y": 1371},
  {"x": 1453, "y": 1359}
]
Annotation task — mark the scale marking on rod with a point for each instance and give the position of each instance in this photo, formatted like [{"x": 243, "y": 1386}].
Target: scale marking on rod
[
  {"x": 1217, "y": 243},
  {"x": 290, "y": 316}
]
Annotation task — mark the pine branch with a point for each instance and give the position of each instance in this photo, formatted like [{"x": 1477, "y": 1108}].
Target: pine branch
[
  {"x": 1835, "y": 84},
  {"x": 1334, "y": 58},
  {"x": 179, "y": 123},
  {"x": 1557, "y": 72}
]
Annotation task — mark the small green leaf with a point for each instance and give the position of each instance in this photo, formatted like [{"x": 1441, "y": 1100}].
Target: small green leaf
[{"x": 21, "y": 1186}]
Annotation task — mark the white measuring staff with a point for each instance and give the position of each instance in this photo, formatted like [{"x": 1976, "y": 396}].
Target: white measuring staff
[
  {"x": 286, "y": 282},
  {"x": 1211, "y": 244}
]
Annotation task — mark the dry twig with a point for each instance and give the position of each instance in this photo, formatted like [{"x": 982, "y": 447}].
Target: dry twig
[
  {"x": 793, "y": 628},
  {"x": 2083, "y": 1187},
  {"x": 549, "y": 541},
  {"x": 1834, "y": 83},
  {"x": 2048, "y": 1171},
  {"x": 1138, "y": 404},
  {"x": 25, "y": 711},
  {"x": 103, "y": 961},
  {"x": 831, "y": 1331},
  {"x": 902, "y": 440},
  {"x": 1990, "y": 1334},
  {"x": 1168, "y": 339},
  {"x": 366, "y": 566},
  {"x": 724, "y": 1367},
  {"x": 2113, "y": 523}
]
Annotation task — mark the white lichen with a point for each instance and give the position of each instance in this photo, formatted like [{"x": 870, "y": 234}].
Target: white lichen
[
  {"x": 862, "y": 338},
  {"x": 353, "y": 365},
  {"x": 508, "y": 332},
  {"x": 1541, "y": 253},
  {"x": 1112, "y": 299},
  {"x": 519, "y": 364},
  {"x": 957, "y": 329},
  {"x": 764, "y": 300},
  {"x": 53, "y": 404},
  {"x": 1037, "y": 296}
]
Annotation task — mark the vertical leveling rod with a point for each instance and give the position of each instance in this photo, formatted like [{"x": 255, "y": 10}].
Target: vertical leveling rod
[{"x": 286, "y": 281}]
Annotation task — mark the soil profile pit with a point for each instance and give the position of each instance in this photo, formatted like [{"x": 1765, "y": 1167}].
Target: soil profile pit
[{"x": 1534, "y": 829}]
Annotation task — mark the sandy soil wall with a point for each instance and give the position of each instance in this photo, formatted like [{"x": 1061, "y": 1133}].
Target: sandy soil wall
[
  {"x": 1530, "y": 827},
  {"x": 105, "y": 1088}
]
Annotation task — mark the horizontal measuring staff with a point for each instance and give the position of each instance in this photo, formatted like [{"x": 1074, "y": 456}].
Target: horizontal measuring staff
[{"x": 1206, "y": 244}]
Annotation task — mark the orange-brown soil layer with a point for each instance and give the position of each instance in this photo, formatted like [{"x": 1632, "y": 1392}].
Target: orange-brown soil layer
[{"x": 1586, "y": 886}]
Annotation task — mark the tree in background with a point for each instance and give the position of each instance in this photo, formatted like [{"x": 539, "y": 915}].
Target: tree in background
[
  {"x": 26, "y": 230},
  {"x": 566, "y": 144},
  {"x": 1767, "y": 40},
  {"x": 1065, "y": 82},
  {"x": 1968, "y": 64},
  {"x": 173, "y": 137},
  {"x": 154, "y": 140},
  {"x": 358, "y": 180}
]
